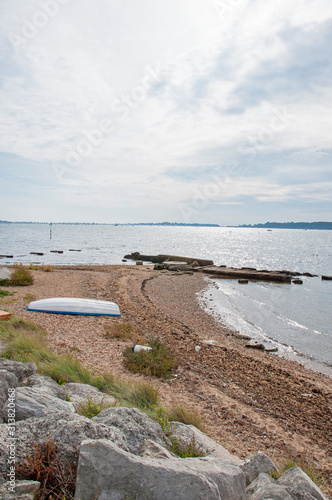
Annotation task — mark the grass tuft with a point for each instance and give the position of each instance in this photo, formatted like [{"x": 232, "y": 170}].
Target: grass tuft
[
  {"x": 47, "y": 268},
  {"x": 158, "y": 363},
  {"x": 301, "y": 460},
  {"x": 187, "y": 416},
  {"x": 124, "y": 331},
  {"x": 5, "y": 293},
  {"x": 184, "y": 449},
  {"x": 21, "y": 276},
  {"x": 176, "y": 445},
  {"x": 91, "y": 408}
]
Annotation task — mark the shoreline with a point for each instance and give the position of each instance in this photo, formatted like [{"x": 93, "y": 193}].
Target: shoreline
[
  {"x": 250, "y": 400},
  {"x": 285, "y": 351}
]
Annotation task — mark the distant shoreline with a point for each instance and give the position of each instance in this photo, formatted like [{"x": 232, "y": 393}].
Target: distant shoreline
[{"x": 319, "y": 225}]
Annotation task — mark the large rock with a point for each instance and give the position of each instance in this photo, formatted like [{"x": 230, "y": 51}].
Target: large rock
[
  {"x": 108, "y": 472},
  {"x": 21, "y": 370},
  {"x": 79, "y": 393},
  {"x": 5, "y": 274},
  {"x": 46, "y": 384},
  {"x": 188, "y": 433},
  {"x": 300, "y": 485},
  {"x": 150, "y": 449},
  {"x": 68, "y": 430},
  {"x": 257, "y": 464},
  {"x": 34, "y": 402},
  {"x": 135, "y": 425},
  {"x": 23, "y": 490},
  {"x": 8, "y": 380},
  {"x": 266, "y": 488}
]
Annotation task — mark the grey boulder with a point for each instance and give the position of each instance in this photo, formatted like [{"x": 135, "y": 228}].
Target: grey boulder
[
  {"x": 21, "y": 370},
  {"x": 256, "y": 464},
  {"x": 135, "y": 425},
  {"x": 79, "y": 393},
  {"x": 5, "y": 273},
  {"x": 46, "y": 384},
  {"x": 23, "y": 490},
  {"x": 8, "y": 380},
  {"x": 150, "y": 449},
  {"x": 188, "y": 433},
  {"x": 106, "y": 471},
  {"x": 67, "y": 430},
  {"x": 300, "y": 485},
  {"x": 264, "y": 487},
  {"x": 34, "y": 402}
]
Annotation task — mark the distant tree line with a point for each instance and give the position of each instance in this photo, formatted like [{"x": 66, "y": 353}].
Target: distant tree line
[{"x": 292, "y": 225}]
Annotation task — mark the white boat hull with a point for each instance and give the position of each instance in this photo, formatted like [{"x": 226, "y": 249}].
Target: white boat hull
[{"x": 68, "y": 305}]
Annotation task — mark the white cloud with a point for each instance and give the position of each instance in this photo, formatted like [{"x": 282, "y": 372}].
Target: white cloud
[{"x": 184, "y": 86}]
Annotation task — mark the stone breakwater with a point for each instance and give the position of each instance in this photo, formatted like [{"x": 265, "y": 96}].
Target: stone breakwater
[
  {"x": 122, "y": 452},
  {"x": 176, "y": 263}
]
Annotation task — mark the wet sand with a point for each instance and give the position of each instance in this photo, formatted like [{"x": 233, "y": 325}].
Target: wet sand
[{"x": 249, "y": 400}]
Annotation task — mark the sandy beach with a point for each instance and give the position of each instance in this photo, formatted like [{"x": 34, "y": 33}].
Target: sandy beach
[{"x": 249, "y": 400}]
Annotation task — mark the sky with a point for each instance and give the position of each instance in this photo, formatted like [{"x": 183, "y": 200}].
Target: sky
[{"x": 208, "y": 111}]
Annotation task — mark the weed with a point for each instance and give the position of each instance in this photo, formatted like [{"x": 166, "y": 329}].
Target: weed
[
  {"x": 187, "y": 416},
  {"x": 57, "y": 477},
  {"x": 75, "y": 349},
  {"x": 143, "y": 395},
  {"x": 5, "y": 293},
  {"x": 5, "y": 282},
  {"x": 176, "y": 445},
  {"x": 124, "y": 331},
  {"x": 47, "y": 268},
  {"x": 64, "y": 369},
  {"x": 33, "y": 266},
  {"x": 184, "y": 449},
  {"x": 29, "y": 297},
  {"x": 159, "y": 363},
  {"x": 301, "y": 460},
  {"x": 91, "y": 408},
  {"x": 21, "y": 276},
  {"x": 160, "y": 415}
]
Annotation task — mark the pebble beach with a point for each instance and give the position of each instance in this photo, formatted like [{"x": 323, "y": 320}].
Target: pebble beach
[{"x": 249, "y": 400}]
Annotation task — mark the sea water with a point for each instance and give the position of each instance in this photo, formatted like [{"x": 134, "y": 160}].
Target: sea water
[{"x": 296, "y": 317}]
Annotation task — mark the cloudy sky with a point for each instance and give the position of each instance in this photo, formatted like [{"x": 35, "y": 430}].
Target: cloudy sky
[{"x": 153, "y": 110}]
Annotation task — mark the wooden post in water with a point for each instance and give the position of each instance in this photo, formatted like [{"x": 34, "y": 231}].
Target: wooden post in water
[{"x": 50, "y": 230}]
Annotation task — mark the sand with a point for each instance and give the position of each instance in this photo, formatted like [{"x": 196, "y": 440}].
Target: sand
[{"x": 249, "y": 400}]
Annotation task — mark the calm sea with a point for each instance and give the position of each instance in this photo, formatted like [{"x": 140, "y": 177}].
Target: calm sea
[{"x": 297, "y": 318}]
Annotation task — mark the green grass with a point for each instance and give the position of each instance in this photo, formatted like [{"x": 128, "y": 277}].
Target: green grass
[
  {"x": 21, "y": 276},
  {"x": 184, "y": 449},
  {"x": 158, "y": 363},
  {"x": 176, "y": 445},
  {"x": 304, "y": 463},
  {"x": 5, "y": 293},
  {"x": 91, "y": 408},
  {"x": 26, "y": 341},
  {"x": 187, "y": 416}
]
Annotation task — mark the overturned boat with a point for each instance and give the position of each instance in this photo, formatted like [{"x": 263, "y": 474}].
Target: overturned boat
[{"x": 69, "y": 305}]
